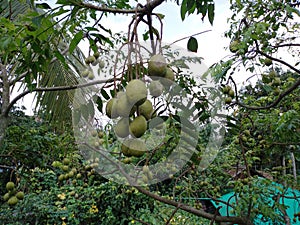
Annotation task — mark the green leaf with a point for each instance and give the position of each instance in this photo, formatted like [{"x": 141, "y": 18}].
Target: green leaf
[
  {"x": 211, "y": 13},
  {"x": 104, "y": 94},
  {"x": 43, "y": 6},
  {"x": 75, "y": 41},
  {"x": 183, "y": 9},
  {"x": 99, "y": 104},
  {"x": 192, "y": 44}
]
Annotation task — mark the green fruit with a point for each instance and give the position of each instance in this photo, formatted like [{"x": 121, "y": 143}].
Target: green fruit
[
  {"x": 94, "y": 133},
  {"x": 146, "y": 109},
  {"x": 72, "y": 193},
  {"x": 78, "y": 176},
  {"x": 136, "y": 92},
  {"x": 137, "y": 148},
  {"x": 111, "y": 108},
  {"x": 126, "y": 160},
  {"x": 234, "y": 46},
  {"x": 12, "y": 201},
  {"x": 259, "y": 137},
  {"x": 6, "y": 197},
  {"x": 244, "y": 138},
  {"x": 138, "y": 126},
  {"x": 226, "y": 89},
  {"x": 277, "y": 91},
  {"x": 156, "y": 88},
  {"x": 61, "y": 177},
  {"x": 91, "y": 59},
  {"x": 66, "y": 161},
  {"x": 125, "y": 147},
  {"x": 10, "y": 186},
  {"x": 276, "y": 81},
  {"x": 272, "y": 74},
  {"x": 96, "y": 55},
  {"x": 247, "y": 132},
  {"x": 95, "y": 62},
  {"x": 65, "y": 168},
  {"x": 157, "y": 66},
  {"x": 101, "y": 64},
  {"x": 71, "y": 174},
  {"x": 169, "y": 78},
  {"x": 85, "y": 73},
  {"x": 228, "y": 100},
  {"x": 231, "y": 93},
  {"x": 124, "y": 108},
  {"x": 122, "y": 127},
  {"x": 56, "y": 164},
  {"x": 268, "y": 62},
  {"x": 91, "y": 75},
  {"x": 20, "y": 195}
]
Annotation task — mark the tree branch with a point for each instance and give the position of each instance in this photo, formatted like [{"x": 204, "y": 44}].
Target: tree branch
[
  {"x": 276, "y": 102},
  {"x": 201, "y": 213},
  {"x": 142, "y": 10},
  {"x": 46, "y": 89}
]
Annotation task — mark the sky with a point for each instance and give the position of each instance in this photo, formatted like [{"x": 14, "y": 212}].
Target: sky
[{"x": 212, "y": 44}]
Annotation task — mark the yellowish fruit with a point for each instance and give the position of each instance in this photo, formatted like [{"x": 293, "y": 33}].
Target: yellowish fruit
[
  {"x": 96, "y": 55},
  {"x": 66, "y": 161},
  {"x": 6, "y": 197},
  {"x": 12, "y": 201},
  {"x": 231, "y": 93},
  {"x": 268, "y": 62},
  {"x": 138, "y": 126},
  {"x": 71, "y": 174},
  {"x": 20, "y": 195},
  {"x": 78, "y": 176},
  {"x": 101, "y": 64},
  {"x": 61, "y": 177},
  {"x": 65, "y": 168},
  {"x": 122, "y": 127},
  {"x": 146, "y": 109},
  {"x": 136, "y": 92},
  {"x": 156, "y": 88},
  {"x": 125, "y": 147},
  {"x": 91, "y": 75},
  {"x": 157, "y": 66},
  {"x": 111, "y": 108},
  {"x": 228, "y": 100},
  {"x": 10, "y": 186},
  {"x": 85, "y": 73}
]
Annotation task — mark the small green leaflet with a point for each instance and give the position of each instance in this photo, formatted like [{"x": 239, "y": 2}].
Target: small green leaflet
[
  {"x": 192, "y": 44},
  {"x": 75, "y": 41}
]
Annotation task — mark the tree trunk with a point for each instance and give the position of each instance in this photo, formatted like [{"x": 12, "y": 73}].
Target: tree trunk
[
  {"x": 5, "y": 98},
  {"x": 294, "y": 166}
]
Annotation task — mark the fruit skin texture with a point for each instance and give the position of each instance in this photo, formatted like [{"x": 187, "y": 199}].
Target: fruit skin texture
[
  {"x": 268, "y": 62},
  {"x": 156, "y": 88},
  {"x": 20, "y": 195},
  {"x": 10, "y": 186},
  {"x": 122, "y": 127},
  {"x": 231, "y": 93},
  {"x": 124, "y": 108},
  {"x": 146, "y": 109},
  {"x": 157, "y": 66},
  {"x": 111, "y": 108},
  {"x": 228, "y": 100},
  {"x": 137, "y": 148},
  {"x": 125, "y": 147},
  {"x": 12, "y": 201},
  {"x": 168, "y": 78},
  {"x": 6, "y": 197},
  {"x": 136, "y": 92},
  {"x": 138, "y": 126}
]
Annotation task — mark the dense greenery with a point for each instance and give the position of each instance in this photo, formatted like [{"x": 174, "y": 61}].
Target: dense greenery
[{"x": 67, "y": 158}]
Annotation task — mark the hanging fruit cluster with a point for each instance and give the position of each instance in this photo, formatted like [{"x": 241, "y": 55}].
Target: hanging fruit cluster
[
  {"x": 12, "y": 196},
  {"x": 227, "y": 90},
  {"x": 133, "y": 108}
]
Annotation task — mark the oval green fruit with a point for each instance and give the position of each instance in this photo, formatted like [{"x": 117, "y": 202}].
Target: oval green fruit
[
  {"x": 122, "y": 127},
  {"x": 156, "y": 88},
  {"x": 124, "y": 107},
  {"x": 228, "y": 100},
  {"x": 146, "y": 109},
  {"x": 111, "y": 108},
  {"x": 12, "y": 201},
  {"x": 234, "y": 46},
  {"x": 138, "y": 126},
  {"x": 136, "y": 92},
  {"x": 6, "y": 197},
  {"x": 268, "y": 62},
  {"x": 231, "y": 93},
  {"x": 137, "y": 148},
  {"x": 20, "y": 195},
  {"x": 157, "y": 66},
  {"x": 169, "y": 78},
  {"x": 10, "y": 186}
]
